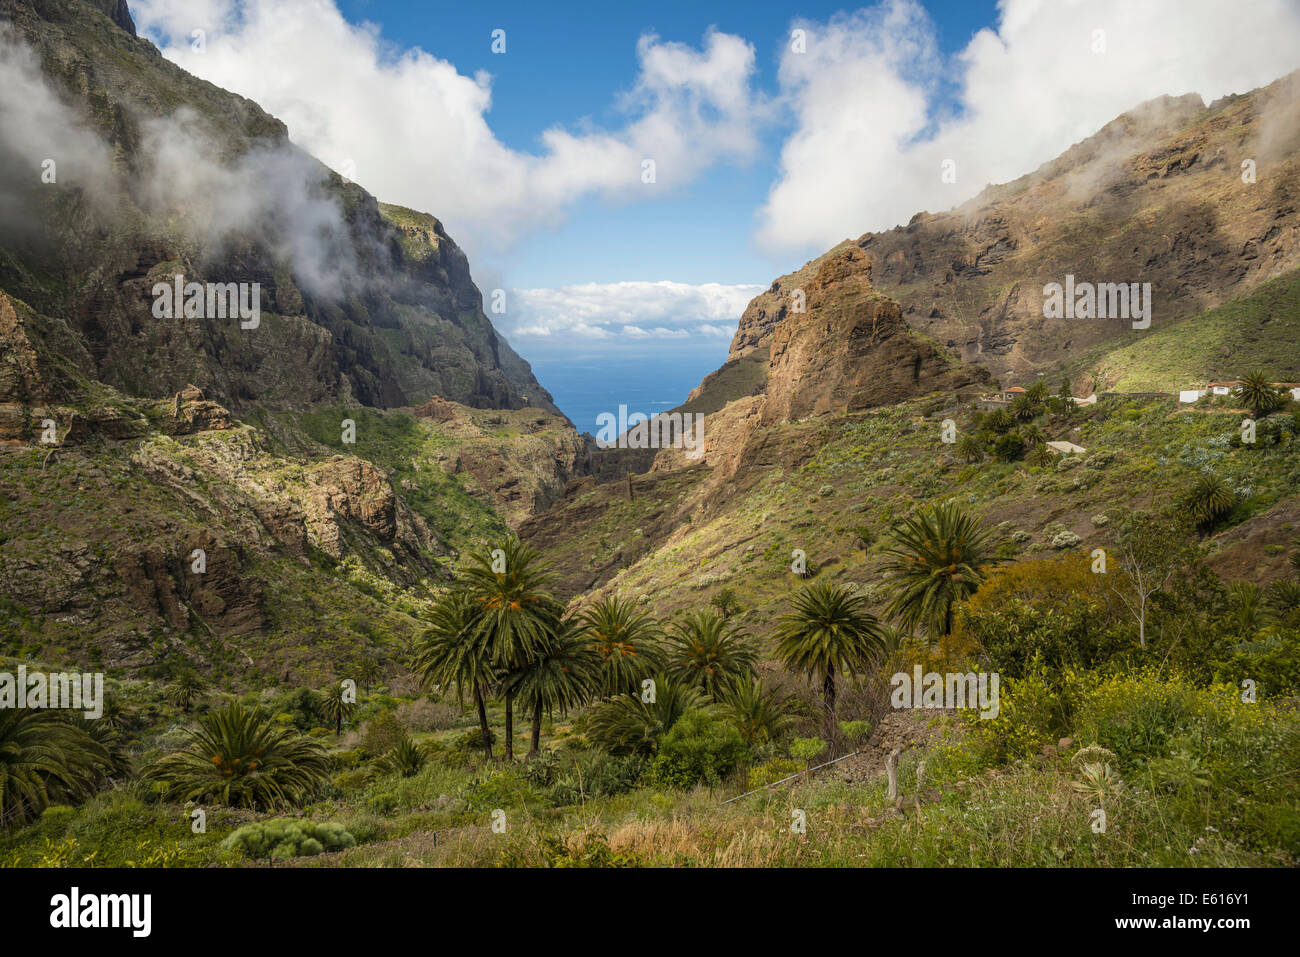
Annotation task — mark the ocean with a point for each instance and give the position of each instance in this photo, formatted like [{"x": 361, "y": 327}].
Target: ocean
[{"x": 586, "y": 386}]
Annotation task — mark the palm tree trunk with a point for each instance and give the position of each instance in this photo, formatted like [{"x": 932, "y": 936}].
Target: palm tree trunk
[
  {"x": 537, "y": 730},
  {"x": 483, "y": 724},
  {"x": 828, "y": 690},
  {"x": 510, "y": 725}
]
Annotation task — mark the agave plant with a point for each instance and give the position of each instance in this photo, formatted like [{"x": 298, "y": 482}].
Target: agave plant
[
  {"x": 1098, "y": 781},
  {"x": 45, "y": 759},
  {"x": 709, "y": 653},
  {"x": 237, "y": 757}
]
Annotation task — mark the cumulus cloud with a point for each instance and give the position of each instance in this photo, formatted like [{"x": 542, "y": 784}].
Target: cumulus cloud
[
  {"x": 412, "y": 129},
  {"x": 633, "y": 310},
  {"x": 870, "y": 139}
]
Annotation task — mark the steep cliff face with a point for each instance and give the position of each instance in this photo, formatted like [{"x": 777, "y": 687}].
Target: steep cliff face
[
  {"x": 1155, "y": 196},
  {"x": 851, "y": 349},
  {"x": 154, "y": 174}
]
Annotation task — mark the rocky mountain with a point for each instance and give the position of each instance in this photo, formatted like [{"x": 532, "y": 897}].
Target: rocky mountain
[
  {"x": 1158, "y": 195},
  {"x": 824, "y": 420},
  {"x": 153, "y": 173},
  {"x": 275, "y": 484}
]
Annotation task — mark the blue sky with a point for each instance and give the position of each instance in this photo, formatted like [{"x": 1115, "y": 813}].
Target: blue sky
[{"x": 565, "y": 62}]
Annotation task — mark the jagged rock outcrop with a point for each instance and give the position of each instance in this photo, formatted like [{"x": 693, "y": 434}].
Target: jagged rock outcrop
[{"x": 851, "y": 349}]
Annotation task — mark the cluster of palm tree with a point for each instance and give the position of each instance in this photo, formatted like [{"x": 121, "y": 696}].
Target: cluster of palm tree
[
  {"x": 1010, "y": 432},
  {"x": 499, "y": 629},
  {"x": 499, "y": 632}
]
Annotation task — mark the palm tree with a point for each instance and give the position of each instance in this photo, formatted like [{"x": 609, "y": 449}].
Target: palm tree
[
  {"x": 828, "y": 629},
  {"x": 1040, "y": 455},
  {"x": 185, "y": 689},
  {"x": 969, "y": 448},
  {"x": 1033, "y": 436},
  {"x": 44, "y": 760},
  {"x": 1284, "y": 596},
  {"x": 1260, "y": 395},
  {"x": 562, "y": 677},
  {"x": 707, "y": 652},
  {"x": 758, "y": 713},
  {"x": 1246, "y": 607},
  {"x": 629, "y": 724},
  {"x": 335, "y": 706},
  {"x": 939, "y": 559},
  {"x": 626, "y": 640},
  {"x": 1023, "y": 408},
  {"x": 453, "y": 650},
  {"x": 516, "y": 617},
  {"x": 239, "y": 758},
  {"x": 1038, "y": 392},
  {"x": 999, "y": 421},
  {"x": 1208, "y": 498}
]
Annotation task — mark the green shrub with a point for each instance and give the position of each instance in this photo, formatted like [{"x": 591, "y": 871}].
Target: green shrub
[
  {"x": 761, "y": 775},
  {"x": 288, "y": 837},
  {"x": 382, "y": 733},
  {"x": 807, "y": 749},
  {"x": 1141, "y": 716},
  {"x": 699, "y": 748},
  {"x": 855, "y": 731}
]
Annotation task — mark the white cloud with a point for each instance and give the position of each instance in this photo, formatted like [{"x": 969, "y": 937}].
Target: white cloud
[
  {"x": 415, "y": 128},
  {"x": 637, "y": 310},
  {"x": 868, "y": 147}
]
